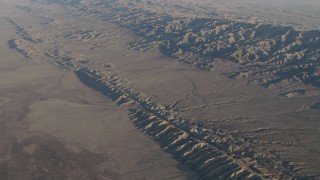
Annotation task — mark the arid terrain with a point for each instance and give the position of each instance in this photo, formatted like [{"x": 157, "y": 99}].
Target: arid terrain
[{"x": 117, "y": 89}]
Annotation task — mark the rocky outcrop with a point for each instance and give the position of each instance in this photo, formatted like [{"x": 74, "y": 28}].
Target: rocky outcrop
[
  {"x": 213, "y": 153},
  {"x": 23, "y": 33},
  {"x": 87, "y": 33},
  {"x": 268, "y": 55},
  {"x": 273, "y": 56},
  {"x": 23, "y": 42},
  {"x": 206, "y": 159},
  {"x": 316, "y": 106},
  {"x": 22, "y": 46}
]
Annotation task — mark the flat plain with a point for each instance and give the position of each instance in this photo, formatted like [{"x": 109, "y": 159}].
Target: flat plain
[{"x": 148, "y": 90}]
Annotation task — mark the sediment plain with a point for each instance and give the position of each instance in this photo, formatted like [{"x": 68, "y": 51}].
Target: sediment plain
[
  {"x": 54, "y": 127},
  {"x": 123, "y": 90}
]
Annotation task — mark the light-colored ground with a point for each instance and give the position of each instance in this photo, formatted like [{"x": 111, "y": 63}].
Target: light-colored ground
[
  {"x": 300, "y": 14},
  {"x": 53, "y": 126},
  {"x": 38, "y": 98}
]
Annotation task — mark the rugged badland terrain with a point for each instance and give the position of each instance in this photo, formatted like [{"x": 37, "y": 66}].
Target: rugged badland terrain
[{"x": 106, "y": 89}]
